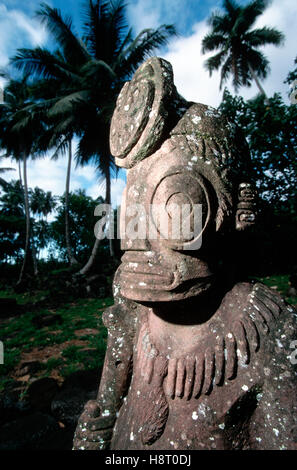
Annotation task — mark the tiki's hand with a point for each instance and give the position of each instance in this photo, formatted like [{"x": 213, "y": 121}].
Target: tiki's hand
[{"x": 94, "y": 428}]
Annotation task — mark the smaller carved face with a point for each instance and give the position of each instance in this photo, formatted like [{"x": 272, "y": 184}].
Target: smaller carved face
[{"x": 246, "y": 207}]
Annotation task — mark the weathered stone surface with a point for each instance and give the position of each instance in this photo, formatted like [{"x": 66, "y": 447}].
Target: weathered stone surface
[{"x": 193, "y": 361}]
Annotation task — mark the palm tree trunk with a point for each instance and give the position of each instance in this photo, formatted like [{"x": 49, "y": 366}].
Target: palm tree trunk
[
  {"x": 20, "y": 173},
  {"x": 86, "y": 268},
  {"x": 71, "y": 258},
  {"x": 253, "y": 74},
  {"x": 27, "y": 214},
  {"x": 34, "y": 257},
  {"x": 91, "y": 259}
]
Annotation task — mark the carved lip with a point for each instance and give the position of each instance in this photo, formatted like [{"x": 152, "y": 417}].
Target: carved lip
[{"x": 143, "y": 269}]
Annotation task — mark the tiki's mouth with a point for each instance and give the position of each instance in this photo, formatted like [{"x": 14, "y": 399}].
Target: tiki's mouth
[{"x": 146, "y": 270}]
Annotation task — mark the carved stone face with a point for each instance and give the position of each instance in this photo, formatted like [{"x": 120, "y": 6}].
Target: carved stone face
[
  {"x": 163, "y": 268},
  {"x": 182, "y": 161}
]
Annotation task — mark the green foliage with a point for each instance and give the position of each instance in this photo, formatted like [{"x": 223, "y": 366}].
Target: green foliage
[
  {"x": 292, "y": 75},
  {"x": 13, "y": 224},
  {"x": 12, "y": 221},
  {"x": 271, "y": 131},
  {"x": 81, "y": 225}
]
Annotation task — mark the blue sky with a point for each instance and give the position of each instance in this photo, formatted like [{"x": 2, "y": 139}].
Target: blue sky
[{"x": 19, "y": 28}]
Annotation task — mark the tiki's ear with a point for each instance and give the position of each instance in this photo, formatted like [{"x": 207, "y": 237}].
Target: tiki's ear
[
  {"x": 140, "y": 119},
  {"x": 246, "y": 210}
]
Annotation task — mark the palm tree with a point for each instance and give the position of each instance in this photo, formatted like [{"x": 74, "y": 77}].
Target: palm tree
[
  {"x": 19, "y": 131},
  {"x": 86, "y": 76},
  {"x": 41, "y": 204},
  {"x": 237, "y": 43}
]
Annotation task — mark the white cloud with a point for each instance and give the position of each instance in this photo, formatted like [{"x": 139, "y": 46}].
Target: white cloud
[
  {"x": 144, "y": 14},
  {"x": 18, "y": 30},
  {"x": 150, "y": 14}
]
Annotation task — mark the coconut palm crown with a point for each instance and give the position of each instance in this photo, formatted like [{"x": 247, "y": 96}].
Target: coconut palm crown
[{"x": 238, "y": 44}]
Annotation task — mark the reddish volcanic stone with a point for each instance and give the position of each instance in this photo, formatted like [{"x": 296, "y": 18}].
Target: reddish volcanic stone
[{"x": 192, "y": 361}]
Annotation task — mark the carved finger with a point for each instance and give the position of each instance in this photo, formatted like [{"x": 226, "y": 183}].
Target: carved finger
[
  {"x": 91, "y": 410},
  {"x": 85, "y": 435},
  {"x": 190, "y": 374}
]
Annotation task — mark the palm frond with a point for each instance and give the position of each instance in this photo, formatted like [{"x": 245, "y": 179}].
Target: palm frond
[
  {"x": 225, "y": 71},
  {"x": 143, "y": 46},
  {"x": 213, "y": 63},
  {"x": 94, "y": 69},
  {"x": 3, "y": 170},
  {"x": 263, "y": 36},
  {"x": 42, "y": 63},
  {"x": 258, "y": 61},
  {"x": 61, "y": 148},
  {"x": 249, "y": 14},
  {"x": 95, "y": 14},
  {"x": 62, "y": 30},
  {"x": 213, "y": 41},
  {"x": 65, "y": 104}
]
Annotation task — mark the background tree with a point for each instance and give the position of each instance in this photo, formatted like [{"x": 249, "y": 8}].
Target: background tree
[
  {"x": 292, "y": 75},
  {"x": 12, "y": 222},
  {"x": 271, "y": 131},
  {"x": 81, "y": 223},
  {"x": 19, "y": 133},
  {"x": 87, "y": 74},
  {"x": 238, "y": 44}
]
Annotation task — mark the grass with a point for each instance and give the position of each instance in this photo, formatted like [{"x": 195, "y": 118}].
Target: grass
[
  {"x": 24, "y": 298},
  {"x": 21, "y": 337}
]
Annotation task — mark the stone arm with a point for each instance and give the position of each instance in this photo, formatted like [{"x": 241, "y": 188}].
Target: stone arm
[{"x": 95, "y": 425}]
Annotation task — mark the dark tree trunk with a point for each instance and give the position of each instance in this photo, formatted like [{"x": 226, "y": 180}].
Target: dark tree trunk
[
  {"x": 71, "y": 258},
  {"x": 92, "y": 257},
  {"x": 254, "y": 75},
  {"x": 27, "y": 214}
]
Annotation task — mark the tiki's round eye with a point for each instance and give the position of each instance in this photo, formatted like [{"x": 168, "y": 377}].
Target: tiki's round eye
[{"x": 179, "y": 208}]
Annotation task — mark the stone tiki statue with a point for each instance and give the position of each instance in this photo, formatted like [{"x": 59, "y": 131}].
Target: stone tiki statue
[{"x": 192, "y": 362}]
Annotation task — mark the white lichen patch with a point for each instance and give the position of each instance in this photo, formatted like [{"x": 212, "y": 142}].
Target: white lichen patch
[
  {"x": 133, "y": 265},
  {"x": 196, "y": 119},
  {"x": 194, "y": 415}
]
